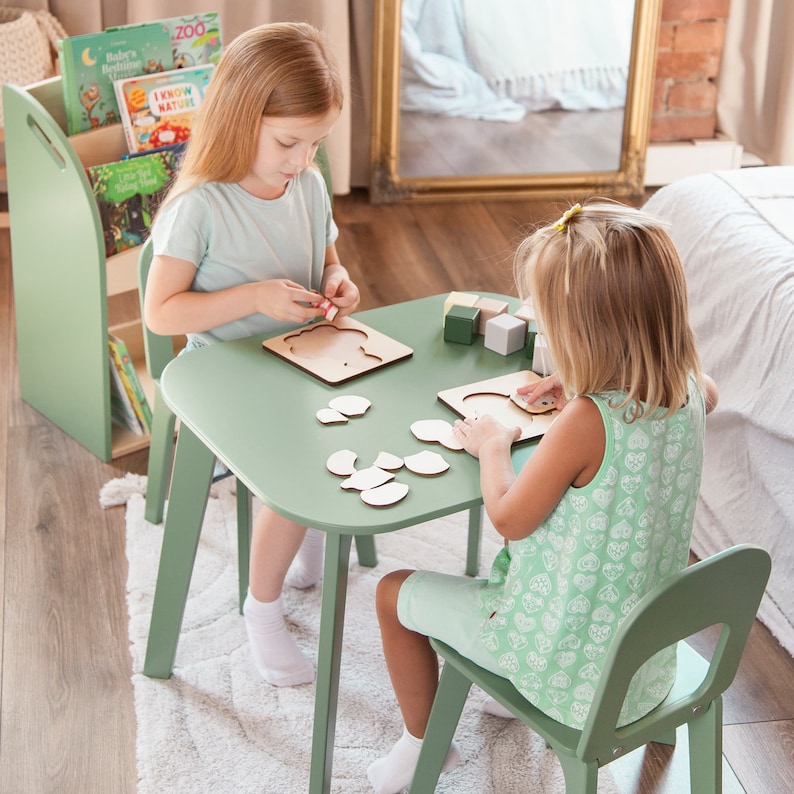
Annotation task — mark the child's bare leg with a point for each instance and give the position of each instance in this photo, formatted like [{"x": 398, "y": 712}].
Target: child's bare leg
[
  {"x": 413, "y": 669},
  {"x": 275, "y": 541}
]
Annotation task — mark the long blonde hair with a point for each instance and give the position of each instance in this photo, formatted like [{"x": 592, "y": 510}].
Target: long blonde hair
[
  {"x": 609, "y": 290},
  {"x": 280, "y": 70}
]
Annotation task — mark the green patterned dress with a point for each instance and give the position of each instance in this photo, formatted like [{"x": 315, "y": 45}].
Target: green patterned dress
[{"x": 555, "y": 599}]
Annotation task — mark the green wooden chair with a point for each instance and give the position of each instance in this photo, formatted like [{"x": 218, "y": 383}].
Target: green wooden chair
[
  {"x": 159, "y": 350},
  {"x": 724, "y": 590}
]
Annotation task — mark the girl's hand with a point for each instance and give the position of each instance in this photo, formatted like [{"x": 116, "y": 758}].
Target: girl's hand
[
  {"x": 475, "y": 433},
  {"x": 340, "y": 290},
  {"x": 548, "y": 385},
  {"x": 285, "y": 300}
]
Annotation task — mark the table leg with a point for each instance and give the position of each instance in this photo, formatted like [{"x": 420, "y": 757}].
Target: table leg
[
  {"x": 329, "y": 651},
  {"x": 190, "y": 484},
  {"x": 473, "y": 549},
  {"x": 365, "y": 549}
]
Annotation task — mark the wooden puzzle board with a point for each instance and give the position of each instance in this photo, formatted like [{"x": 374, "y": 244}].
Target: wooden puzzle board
[
  {"x": 492, "y": 396},
  {"x": 338, "y": 351}
]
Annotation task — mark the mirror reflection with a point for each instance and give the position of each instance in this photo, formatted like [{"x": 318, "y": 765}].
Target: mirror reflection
[
  {"x": 511, "y": 98},
  {"x": 512, "y": 86}
]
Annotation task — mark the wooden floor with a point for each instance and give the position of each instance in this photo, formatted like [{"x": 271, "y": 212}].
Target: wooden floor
[
  {"x": 552, "y": 141},
  {"x": 67, "y": 721}
]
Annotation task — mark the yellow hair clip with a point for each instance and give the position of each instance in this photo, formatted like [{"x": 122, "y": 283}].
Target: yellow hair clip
[{"x": 566, "y": 216}]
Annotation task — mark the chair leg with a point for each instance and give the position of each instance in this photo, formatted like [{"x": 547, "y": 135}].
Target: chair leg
[
  {"x": 365, "y": 550},
  {"x": 189, "y": 491},
  {"x": 705, "y": 750},
  {"x": 243, "y": 539},
  {"x": 161, "y": 447},
  {"x": 453, "y": 689},
  {"x": 580, "y": 777},
  {"x": 473, "y": 548}
]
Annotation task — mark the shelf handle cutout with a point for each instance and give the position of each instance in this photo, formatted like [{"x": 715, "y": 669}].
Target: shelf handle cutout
[{"x": 46, "y": 142}]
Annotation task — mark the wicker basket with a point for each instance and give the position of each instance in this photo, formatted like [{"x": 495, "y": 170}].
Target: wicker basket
[{"x": 28, "y": 42}]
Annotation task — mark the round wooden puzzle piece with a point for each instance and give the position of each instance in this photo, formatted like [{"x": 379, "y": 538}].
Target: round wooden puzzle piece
[
  {"x": 385, "y": 495},
  {"x": 438, "y": 430},
  {"x": 427, "y": 463},
  {"x": 342, "y": 463}
]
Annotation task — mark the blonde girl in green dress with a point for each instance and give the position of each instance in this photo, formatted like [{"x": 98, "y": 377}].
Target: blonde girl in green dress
[{"x": 603, "y": 508}]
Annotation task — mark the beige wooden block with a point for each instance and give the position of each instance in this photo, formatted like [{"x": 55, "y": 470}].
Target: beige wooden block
[
  {"x": 458, "y": 299},
  {"x": 526, "y": 312},
  {"x": 489, "y": 307}
]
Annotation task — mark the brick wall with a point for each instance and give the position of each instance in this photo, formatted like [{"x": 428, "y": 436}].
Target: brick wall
[{"x": 690, "y": 48}]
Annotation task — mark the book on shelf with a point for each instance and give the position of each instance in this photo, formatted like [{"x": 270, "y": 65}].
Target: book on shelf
[
  {"x": 195, "y": 39},
  {"x": 121, "y": 410},
  {"x": 128, "y": 193},
  {"x": 131, "y": 381},
  {"x": 159, "y": 109},
  {"x": 90, "y": 63}
]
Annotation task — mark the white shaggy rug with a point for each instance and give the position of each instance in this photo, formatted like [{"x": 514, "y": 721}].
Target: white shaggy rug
[{"x": 215, "y": 726}]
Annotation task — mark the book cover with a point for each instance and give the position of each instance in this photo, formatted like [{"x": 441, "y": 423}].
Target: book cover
[
  {"x": 159, "y": 109},
  {"x": 132, "y": 383},
  {"x": 121, "y": 410},
  {"x": 128, "y": 193},
  {"x": 195, "y": 39},
  {"x": 90, "y": 63}
]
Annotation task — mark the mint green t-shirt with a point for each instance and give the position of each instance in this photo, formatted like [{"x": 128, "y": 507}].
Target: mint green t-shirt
[
  {"x": 555, "y": 598},
  {"x": 234, "y": 238}
]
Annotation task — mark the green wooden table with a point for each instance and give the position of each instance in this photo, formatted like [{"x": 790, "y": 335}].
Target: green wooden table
[{"x": 257, "y": 413}]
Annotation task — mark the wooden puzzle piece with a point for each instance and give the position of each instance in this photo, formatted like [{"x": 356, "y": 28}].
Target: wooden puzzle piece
[
  {"x": 385, "y": 495},
  {"x": 350, "y": 404},
  {"x": 342, "y": 463},
  {"x": 540, "y": 406},
  {"x": 436, "y": 430},
  {"x": 492, "y": 396},
  {"x": 335, "y": 352},
  {"x": 387, "y": 461},
  {"x": 329, "y": 416},
  {"x": 426, "y": 463},
  {"x": 364, "y": 479}
]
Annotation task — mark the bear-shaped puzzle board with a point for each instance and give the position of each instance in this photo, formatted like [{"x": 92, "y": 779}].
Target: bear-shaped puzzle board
[
  {"x": 338, "y": 351},
  {"x": 492, "y": 396}
]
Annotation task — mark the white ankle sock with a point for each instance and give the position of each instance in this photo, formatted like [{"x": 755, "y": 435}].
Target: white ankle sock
[
  {"x": 491, "y": 706},
  {"x": 307, "y": 567},
  {"x": 392, "y": 773},
  {"x": 276, "y": 655}
]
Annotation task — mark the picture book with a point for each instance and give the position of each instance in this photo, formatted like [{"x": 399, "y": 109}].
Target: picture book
[
  {"x": 121, "y": 410},
  {"x": 128, "y": 193},
  {"x": 195, "y": 39},
  {"x": 90, "y": 63},
  {"x": 158, "y": 109},
  {"x": 131, "y": 381}
]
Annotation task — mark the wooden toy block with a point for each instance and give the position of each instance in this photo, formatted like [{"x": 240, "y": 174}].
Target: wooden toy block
[
  {"x": 526, "y": 312},
  {"x": 532, "y": 332},
  {"x": 505, "y": 334},
  {"x": 462, "y": 324},
  {"x": 542, "y": 361},
  {"x": 458, "y": 299},
  {"x": 489, "y": 307}
]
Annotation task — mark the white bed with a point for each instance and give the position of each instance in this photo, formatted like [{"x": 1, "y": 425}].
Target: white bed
[
  {"x": 735, "y": 233},
  {"x": 497, "y": 61}
]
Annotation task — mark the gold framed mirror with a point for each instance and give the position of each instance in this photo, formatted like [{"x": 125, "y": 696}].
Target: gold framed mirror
[{"x": 475, "y": 99}]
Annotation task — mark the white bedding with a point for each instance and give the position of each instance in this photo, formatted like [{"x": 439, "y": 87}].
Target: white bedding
[
  {"x": 735, "y": 233},
  {"x": 496, "y": 60}
]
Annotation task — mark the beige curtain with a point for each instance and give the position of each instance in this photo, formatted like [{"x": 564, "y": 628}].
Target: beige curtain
[
  {"x": 332, "y": 16},
  {"x": 755, "y": 102}
]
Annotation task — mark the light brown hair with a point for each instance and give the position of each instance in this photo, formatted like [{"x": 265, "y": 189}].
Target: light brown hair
[
  {"x": 609, "y": 290},
  {"x": 281, "y": 70}
]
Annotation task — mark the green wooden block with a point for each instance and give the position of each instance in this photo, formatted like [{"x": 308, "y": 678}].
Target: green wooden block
[{"x": 462, "y": 324}]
